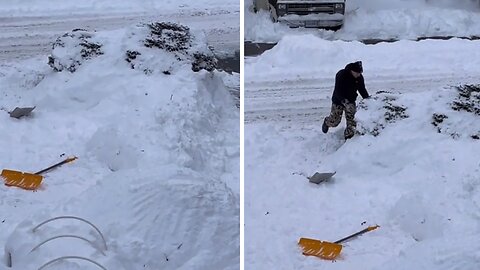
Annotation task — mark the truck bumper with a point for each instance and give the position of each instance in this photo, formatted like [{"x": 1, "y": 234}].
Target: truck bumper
[{"x": 312, "y": 21}]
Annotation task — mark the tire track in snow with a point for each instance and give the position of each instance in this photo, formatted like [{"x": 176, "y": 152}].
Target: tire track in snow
[{"x": 24, "y": 37}]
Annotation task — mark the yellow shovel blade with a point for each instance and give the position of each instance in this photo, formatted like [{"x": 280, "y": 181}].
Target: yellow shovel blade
[
  {"x": 27, "y": 181},
  {"x": 321, "y": 249}
]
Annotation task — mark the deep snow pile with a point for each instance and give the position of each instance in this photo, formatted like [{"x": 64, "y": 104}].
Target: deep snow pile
[
  {"x": 158, "y": 167},
  {"x": 174, "y": 44},
  {"x": 377, "y": 19},
  {"x": 420, "y": 186},
  {"x": 451, "y": 119}
]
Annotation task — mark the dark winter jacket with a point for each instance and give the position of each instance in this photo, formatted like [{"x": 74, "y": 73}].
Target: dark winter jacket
[{"x": 346, "y": 87}]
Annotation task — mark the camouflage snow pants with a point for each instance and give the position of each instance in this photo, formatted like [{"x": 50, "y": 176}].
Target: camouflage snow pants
[{"x": 335, "y": 117}]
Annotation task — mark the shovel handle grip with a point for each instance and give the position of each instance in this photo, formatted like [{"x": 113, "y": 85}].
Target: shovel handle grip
[
  {"x": 370, "y": 228},
  {"x": 67, "y": 160}
]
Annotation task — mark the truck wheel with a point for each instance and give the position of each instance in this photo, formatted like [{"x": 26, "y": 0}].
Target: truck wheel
[{"x": 336, "y": 28}]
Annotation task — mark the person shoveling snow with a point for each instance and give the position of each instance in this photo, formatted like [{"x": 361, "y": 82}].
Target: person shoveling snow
[{"x": 347, "y": 82}]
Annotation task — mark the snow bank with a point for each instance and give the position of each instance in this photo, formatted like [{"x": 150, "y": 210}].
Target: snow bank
[
  {"x": 375, "y": 19},
  {"x": 401, "y": 59},
  {"x": 158, "y": 167},
  {"x": 385, "y": 109}
]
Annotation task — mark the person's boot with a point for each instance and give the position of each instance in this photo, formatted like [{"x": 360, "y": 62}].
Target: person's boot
[
  {"x": 348, "y": 136},
  {"x": 349, "y": 133},
  {"x": 324, "y": 127}
]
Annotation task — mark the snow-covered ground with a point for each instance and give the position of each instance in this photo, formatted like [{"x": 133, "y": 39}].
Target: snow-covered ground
[
  {"x": 378, "y": 19},
  {"x": 415, "y": 171},
  {"x": 157, "y": 147}
]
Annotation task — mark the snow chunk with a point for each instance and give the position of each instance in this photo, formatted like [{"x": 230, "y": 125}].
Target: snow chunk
[
  {"x": 111, "y": 149},
  {"x": 414, "y": 216}
]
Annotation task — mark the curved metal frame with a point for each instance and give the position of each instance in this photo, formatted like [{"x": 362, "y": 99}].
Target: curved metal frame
[
  {"x": 67, "y": 236},
  {"x": 71, "y": 257},
  {"x": 77, "y": 218}
]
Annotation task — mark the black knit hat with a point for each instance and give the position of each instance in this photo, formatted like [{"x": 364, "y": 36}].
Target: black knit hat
[{"x": 356, "y": 66}]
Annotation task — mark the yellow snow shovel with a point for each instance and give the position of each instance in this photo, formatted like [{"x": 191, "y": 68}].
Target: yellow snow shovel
[
  {"x": 327, "y": 250},
  {"x": 29, "y": 181}
]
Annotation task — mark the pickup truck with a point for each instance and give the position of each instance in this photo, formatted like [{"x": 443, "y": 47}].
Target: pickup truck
[{"x": 305, "y": 13}]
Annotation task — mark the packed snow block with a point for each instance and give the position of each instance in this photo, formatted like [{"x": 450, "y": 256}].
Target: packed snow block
[
  {"x": 111, "y": 148},
  {"x": 382, "y": 109},
  {"x": 417, "y": 217},
  {"x": 462, "y": 118},
  {"x": 166, "y": 46},
  {"x": 72, "y": 49}
]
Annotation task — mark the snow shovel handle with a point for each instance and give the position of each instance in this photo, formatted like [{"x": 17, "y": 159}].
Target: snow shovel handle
[
  {"x": 371, "y": 228},
  {"x": 67, "y": 160}
]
